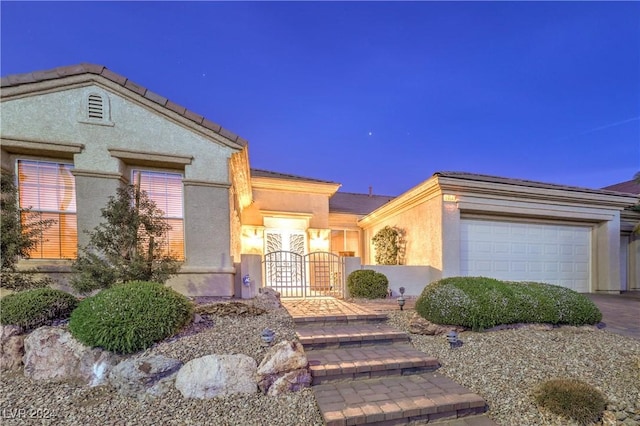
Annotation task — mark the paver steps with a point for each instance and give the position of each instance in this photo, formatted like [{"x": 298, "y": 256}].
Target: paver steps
[
  {"x": 365, "y": 372},
  {"x": 331, "y": 365},
  {"x": 341, "y": 336},
  {"x": 398, "y": 400}
]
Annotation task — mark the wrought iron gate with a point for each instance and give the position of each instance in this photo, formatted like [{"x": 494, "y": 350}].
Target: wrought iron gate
[{"x": 313, "y": 275}]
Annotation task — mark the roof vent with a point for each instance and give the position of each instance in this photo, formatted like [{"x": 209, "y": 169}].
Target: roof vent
[{"x": 95, "y": 107}]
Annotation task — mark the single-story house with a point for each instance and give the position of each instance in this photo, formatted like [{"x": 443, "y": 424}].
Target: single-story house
[{"x": 71, "y": 135}]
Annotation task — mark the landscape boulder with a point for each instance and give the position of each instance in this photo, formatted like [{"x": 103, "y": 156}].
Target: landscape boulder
[
  {"x": 419, "y": 325},
  {"x": 267, "y": 299},
  {"x": 283, "y": 358},
  {"x": 144, "y": 377},
  {"x": 11, "y": 347},
  {"x": 292, "y": 381},
  {"x": 213, "y": 375},
  {"x": 53, "y": 354}
]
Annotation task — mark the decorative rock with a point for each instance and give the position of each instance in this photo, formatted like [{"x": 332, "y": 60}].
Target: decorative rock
[
  {"x": 284, "y": 357},
  {"x": 267, "y": 299},
  {"x": 11, "y": 347},
  {"x": 609, "y": 419},
  {"x": 230, "y": 308},
  {"x": 53, "y": 354},
  {"x": 292, "y": 381},
  {"x": 214, "y": 375},
  {"x": 419, "y": 325},
  {"x": 144, "y": 377}
]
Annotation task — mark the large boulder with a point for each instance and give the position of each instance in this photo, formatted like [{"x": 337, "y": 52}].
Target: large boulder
[
  {"x": 267, "y": 299},
  {"x": 419, "y": 325},
  {"x": 53, "y": 354},
  {"x": 292, "y": 381},
  {"x": 213, "y": 375},
  {"x": 283, "y": 358},
  {"x": 11, "y": 347},
  {"x": 144, "y": 377}
]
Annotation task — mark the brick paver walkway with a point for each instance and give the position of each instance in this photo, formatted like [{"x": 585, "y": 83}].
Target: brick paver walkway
[{"x": 365, "y": 372}]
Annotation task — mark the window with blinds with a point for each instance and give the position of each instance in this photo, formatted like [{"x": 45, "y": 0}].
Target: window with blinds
[
  {"x": 48, "y": 190},
  {"x": 165, "y": 189}
]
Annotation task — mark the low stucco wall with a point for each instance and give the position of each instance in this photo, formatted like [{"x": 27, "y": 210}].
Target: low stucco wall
[{"x": 412, "y": 277}]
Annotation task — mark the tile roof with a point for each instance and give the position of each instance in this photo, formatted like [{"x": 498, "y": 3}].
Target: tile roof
[
  {"x": 84, "y": 68},
  {"x": 347, "y": 202},
  {"x": 522, "y": 182},
  {"x": 277, "y": 175},
  {"x": 630, "y": 187}
]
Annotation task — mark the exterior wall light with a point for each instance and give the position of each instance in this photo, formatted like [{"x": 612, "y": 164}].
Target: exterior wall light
[{"x": 449, "y": 198}]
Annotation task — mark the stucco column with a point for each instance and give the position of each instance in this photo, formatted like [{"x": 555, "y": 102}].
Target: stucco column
[
  {"x": 208, "y": 269},
  {"x": 93, "y": 190},
  {"x": 607, "y": 256},
  {"x": 450, "y": 239}
]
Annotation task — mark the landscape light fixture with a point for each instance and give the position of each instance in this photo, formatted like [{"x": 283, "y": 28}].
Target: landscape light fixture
[
  {"x": 452, "y": 337},
  {"x": 401, "y": 300},
  {"x": 268, "y": 336}
]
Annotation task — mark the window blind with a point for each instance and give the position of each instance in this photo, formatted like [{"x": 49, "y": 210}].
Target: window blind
[
  {"x": 165, "y": 189},
  {"x": 48, "y": 190}
]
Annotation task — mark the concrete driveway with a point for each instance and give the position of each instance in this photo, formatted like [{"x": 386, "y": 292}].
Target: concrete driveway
[{"x": 620, "y": 312}]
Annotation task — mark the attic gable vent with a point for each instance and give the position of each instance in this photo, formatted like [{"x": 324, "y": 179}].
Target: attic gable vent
[{"x": 95, "y": 107}]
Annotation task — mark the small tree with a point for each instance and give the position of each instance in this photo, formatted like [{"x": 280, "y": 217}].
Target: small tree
[
  {"x": 129, "y": 246},
  {"x": 20, "y": 234},
  {"x": 388, "y": 243}
]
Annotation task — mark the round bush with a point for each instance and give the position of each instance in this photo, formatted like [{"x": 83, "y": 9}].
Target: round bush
[
  {"x": 571, "y": 399},
  {"x": 480, "y": 302},
  {"x": 31, "y": 309},
  {"x": 367, "y": 284},
  {"x": 130, "y": 317}
]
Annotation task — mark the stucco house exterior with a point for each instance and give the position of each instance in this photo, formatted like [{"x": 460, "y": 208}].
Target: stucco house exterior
[
  {"x": 464, "y": 224},
  {"x": 73, "y": 134}
]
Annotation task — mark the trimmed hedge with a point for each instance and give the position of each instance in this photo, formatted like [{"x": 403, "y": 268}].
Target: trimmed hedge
[
  {"x": 367, "y": 284},
  {"x": 480, "y": 302},
  {"x": 130, "y": 317},
  {"x": 31, "y": 309},
  {"x": 571, "y": 399}
]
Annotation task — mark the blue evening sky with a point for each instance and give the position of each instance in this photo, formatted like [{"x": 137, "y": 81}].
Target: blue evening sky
[{"x": 374, "y": 93}]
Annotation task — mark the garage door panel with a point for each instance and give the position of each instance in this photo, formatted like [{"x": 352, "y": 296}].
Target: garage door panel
[{"x": 552, "y": 253}]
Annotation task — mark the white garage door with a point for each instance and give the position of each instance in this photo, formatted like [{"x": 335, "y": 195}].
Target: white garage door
[{"x": 550, "y": 253}]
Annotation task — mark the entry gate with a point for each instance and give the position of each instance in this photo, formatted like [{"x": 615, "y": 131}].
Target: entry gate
[{"x": 315, "y": 274}]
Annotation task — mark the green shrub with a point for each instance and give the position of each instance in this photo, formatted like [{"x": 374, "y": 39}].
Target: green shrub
[
  {"x": 367, "y": 284},
  {"x": 571, "y": 399},
  {"x": 479, "y": 303},
  {"x": 31, "y": 309},
  {"x": 130, "y": 317}
]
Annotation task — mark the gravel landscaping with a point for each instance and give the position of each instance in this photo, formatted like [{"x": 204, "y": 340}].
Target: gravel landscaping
[
  {"x": 505, "y": 366},
  {"x": 502, "y": 366}
]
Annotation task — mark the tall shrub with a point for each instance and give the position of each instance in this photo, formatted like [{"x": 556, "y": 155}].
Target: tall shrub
[
  {"x": 20, "y": 232},
  {"x": 130, "y": 244}
]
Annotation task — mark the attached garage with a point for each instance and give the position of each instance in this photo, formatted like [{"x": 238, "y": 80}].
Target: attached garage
[{"x": 557, "y": 254}]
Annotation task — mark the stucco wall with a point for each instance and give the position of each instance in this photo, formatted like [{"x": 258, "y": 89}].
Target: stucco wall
[
  {"x": 290, "y": 202},
  {"x": 134, "y": 135}
]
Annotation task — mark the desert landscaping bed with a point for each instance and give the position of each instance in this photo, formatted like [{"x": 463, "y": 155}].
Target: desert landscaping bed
[
  {"x": 502, "y": 366},
  {"x": 505, "y": 366}
]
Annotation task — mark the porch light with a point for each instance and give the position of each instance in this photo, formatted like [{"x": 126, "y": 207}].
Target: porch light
[
  {"x": 452, "y": 337},
  {"x": 268, "y": 336},
  {"x": 400, "y": 299}
]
